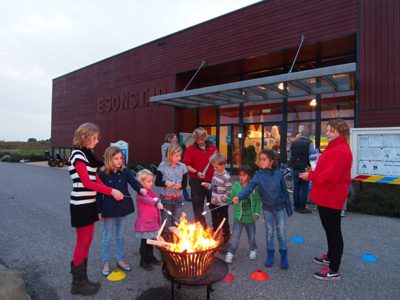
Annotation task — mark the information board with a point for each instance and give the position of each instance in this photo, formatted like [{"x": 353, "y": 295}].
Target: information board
[
  {"x": 124, "y": 146},
  {"x": 376, "y": 151}
]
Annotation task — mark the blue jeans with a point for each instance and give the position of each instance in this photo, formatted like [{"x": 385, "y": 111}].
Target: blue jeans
[
  {"x": 275, "y": 219},
  {"x": 175, "y": 207},
  {"x": 108, "y": 228},
  {"x": 237, "y": 232},
  {"x": 300, "y": 191}
]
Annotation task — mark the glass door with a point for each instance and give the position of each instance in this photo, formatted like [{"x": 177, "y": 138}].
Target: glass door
[
  {"x": 230, "y": 145},
  {"x": 272, "y": 137}
]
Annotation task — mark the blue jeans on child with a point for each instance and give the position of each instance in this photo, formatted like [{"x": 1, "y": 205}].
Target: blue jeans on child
[
  {"x": 108, "y": 228},
  {"x": 175, "y": 207},
  {"x": 276, "y": 219},
  {"x": 237, "y": 232}
]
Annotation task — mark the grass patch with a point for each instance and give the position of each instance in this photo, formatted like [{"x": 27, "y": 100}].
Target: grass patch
[
  {"x": 16, "y": 151},
  {"x": 377, "y": 199}
]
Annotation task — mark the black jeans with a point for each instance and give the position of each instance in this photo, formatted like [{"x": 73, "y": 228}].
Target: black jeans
[
  {"x": 198, "y": 193},
  {"x": 146, "y": 252},
  {"x": 217, "y": 217},
  {"x": 300, "y": 191},
  {"x": 331, "y": 221}
]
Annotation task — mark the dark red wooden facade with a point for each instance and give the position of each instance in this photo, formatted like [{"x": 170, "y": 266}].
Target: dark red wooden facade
[{"x": 114, "y": 93}]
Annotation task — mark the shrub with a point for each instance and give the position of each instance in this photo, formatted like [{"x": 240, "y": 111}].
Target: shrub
[{"x": 377, "y": 199}]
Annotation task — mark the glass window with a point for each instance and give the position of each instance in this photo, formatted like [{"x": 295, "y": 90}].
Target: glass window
[
  {"x": 339, "y": 107},
  {"x": 229, "y": 114},
  {"x": 263, "y": 111},
  {"x": 208, "y": 115},
  {"x": 301, "y": 109}
]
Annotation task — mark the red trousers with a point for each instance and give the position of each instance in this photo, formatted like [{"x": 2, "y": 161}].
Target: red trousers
[{"x": 84, "y": 237}]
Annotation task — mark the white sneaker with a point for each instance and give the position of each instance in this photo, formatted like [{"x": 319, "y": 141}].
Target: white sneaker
[
  {"x": 228, "y": 258},
  {"x": 253, "y": 254},
  {"x": 343, "y": 213}
]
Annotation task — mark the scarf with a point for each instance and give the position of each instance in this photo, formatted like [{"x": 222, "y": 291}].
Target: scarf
[{"x": 93, "y": 161}]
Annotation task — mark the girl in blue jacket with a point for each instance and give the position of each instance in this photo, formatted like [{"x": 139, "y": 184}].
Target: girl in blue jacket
[
  {"x": 114, "y": 213},
  {"x": 275, "y": 203}
]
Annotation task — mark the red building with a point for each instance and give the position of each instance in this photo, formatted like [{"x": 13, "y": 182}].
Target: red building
[{"x": 244, "y": 88}]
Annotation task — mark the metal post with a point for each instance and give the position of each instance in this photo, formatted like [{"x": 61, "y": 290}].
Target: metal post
[
  {"x": 203, "y": 63},
  {"x": 298, "y": 50}
]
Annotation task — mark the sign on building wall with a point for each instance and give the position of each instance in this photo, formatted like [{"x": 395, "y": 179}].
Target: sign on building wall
[
  {"x": 124, "y": 146},
  {"x": 376, "y": 154}
]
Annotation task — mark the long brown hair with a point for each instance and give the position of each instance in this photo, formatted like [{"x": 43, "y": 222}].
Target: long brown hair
[
  {"x": 108, "y": 156},
  {"x": 272, "y": 155}
]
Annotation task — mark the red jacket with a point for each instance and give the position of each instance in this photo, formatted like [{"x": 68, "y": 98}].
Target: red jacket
[
  {"x": 198, "y": 159},
  {"x": 332, "y": 176}
]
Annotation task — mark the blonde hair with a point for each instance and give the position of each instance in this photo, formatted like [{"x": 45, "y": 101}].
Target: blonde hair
[
  {"x": 199, "y": 132},
  {"x": 108, "y": 157},
  {"x": 218, "y": 159},
  {"x": 340, "y": 126},
  {"x": 142, "y": 174},
  {"x": 83, "y": 134},
  {"x": 171, "y": 150}
]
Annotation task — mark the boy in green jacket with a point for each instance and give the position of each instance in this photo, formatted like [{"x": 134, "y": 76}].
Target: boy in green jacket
[{"x": 246, "y": 212}]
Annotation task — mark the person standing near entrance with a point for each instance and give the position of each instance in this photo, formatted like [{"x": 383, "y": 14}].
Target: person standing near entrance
[
  {"x": 197, "y": 160},
  {"x": 331, "y": 180},
  {"x": 299, "y": 161}
]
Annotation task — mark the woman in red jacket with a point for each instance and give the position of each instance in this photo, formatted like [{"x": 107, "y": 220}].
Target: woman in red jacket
[{"x": 330, "y": 185}]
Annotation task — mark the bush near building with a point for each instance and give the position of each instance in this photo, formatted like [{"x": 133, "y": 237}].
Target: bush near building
[
  {"x": 16, "y": 151},
  {"x": 377, "y": 199}
]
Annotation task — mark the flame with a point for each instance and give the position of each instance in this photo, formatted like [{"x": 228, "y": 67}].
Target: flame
[{"x": 192, "y": 238}]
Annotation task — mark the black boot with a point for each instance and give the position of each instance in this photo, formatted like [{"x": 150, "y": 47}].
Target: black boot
[
  {"x": 96, "y": 284},
  {"x": 79, "y": 284},
  {"x": 144, "y": 256}
]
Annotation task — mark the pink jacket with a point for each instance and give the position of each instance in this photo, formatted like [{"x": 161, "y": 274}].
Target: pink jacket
[{"x": 148, "y": 218}]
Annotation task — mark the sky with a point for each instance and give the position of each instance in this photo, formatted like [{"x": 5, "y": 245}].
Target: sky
[{"x": 43, "y": 39}]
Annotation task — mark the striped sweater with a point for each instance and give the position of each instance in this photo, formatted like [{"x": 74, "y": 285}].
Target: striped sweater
[
  {"x": 85, "y": 184},
  {"x": 221, "y": 185}
]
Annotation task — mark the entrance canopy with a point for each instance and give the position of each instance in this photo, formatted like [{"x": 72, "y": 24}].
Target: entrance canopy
[{"x": 339, "y": 78}]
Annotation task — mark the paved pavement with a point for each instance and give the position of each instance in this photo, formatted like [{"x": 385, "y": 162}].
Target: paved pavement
[{"x": 37, "y": 240}]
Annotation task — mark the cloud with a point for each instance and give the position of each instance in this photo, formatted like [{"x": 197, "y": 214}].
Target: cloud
[{"x": 53, "y": 24}]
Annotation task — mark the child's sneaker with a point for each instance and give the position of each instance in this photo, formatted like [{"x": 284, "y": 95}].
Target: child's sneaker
[
  {"x": 326, "y": 274},
  {"x": 343, "y": 213},
  {"x": 228, "y": 258},
  {"x": 253, "y": 254},
  {"x": 322, "y": 260}
]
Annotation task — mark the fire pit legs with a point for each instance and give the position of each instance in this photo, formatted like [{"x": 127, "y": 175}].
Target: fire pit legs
[{"x": 215, "y": 273}]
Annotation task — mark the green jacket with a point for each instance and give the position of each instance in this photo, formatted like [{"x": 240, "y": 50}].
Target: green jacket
[{"x": 246, "y": 209}]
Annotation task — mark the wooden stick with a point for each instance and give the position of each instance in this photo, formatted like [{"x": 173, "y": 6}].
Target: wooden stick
[
  {"x": 158, "y": 243},
  {"x": 219, "y": 227},
  {"x": 208, "y": 165},
  {"x": 161, "y": 229}
]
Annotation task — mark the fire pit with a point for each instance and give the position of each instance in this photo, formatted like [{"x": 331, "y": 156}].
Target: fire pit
[{"x": 189, "y": 252}]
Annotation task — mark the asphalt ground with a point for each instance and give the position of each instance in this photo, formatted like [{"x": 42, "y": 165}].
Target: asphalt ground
[{"x": 36, "y": 239}]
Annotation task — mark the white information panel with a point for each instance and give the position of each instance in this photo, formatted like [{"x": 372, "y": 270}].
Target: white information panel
[{"x": 376, "y": 151}]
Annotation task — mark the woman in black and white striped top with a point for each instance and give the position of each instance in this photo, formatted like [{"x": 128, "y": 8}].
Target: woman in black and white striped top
[{"x": 82, "y": 166}]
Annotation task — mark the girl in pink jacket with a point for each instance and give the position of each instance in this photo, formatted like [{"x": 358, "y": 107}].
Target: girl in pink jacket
[{"x": 148, "y": 220}]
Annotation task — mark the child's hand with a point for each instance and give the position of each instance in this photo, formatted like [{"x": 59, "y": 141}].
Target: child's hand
[
  {"x": 160, "y": 206},
  {"x": 205, "y": 184},
  {"x": 308, "y": 169},
  {"x": 236, "y": 200},
  {"x": 255, "y": 218},
  {"x": 213, "y": 200},
  {"x": 177, "y": 186},
  {"x": 101, "y": 219},
  {"x": 143, "y": 192},
  {"x": 223, "y": 200},
  {"x": 117, "y": 195},
  {"x": 169, "y": 184}
]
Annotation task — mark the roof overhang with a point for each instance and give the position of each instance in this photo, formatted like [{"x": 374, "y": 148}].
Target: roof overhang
[{"x": 339, "y": 78}]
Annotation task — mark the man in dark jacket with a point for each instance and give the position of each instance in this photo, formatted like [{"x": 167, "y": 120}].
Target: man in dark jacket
[{"x": 299, "y": 160}]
